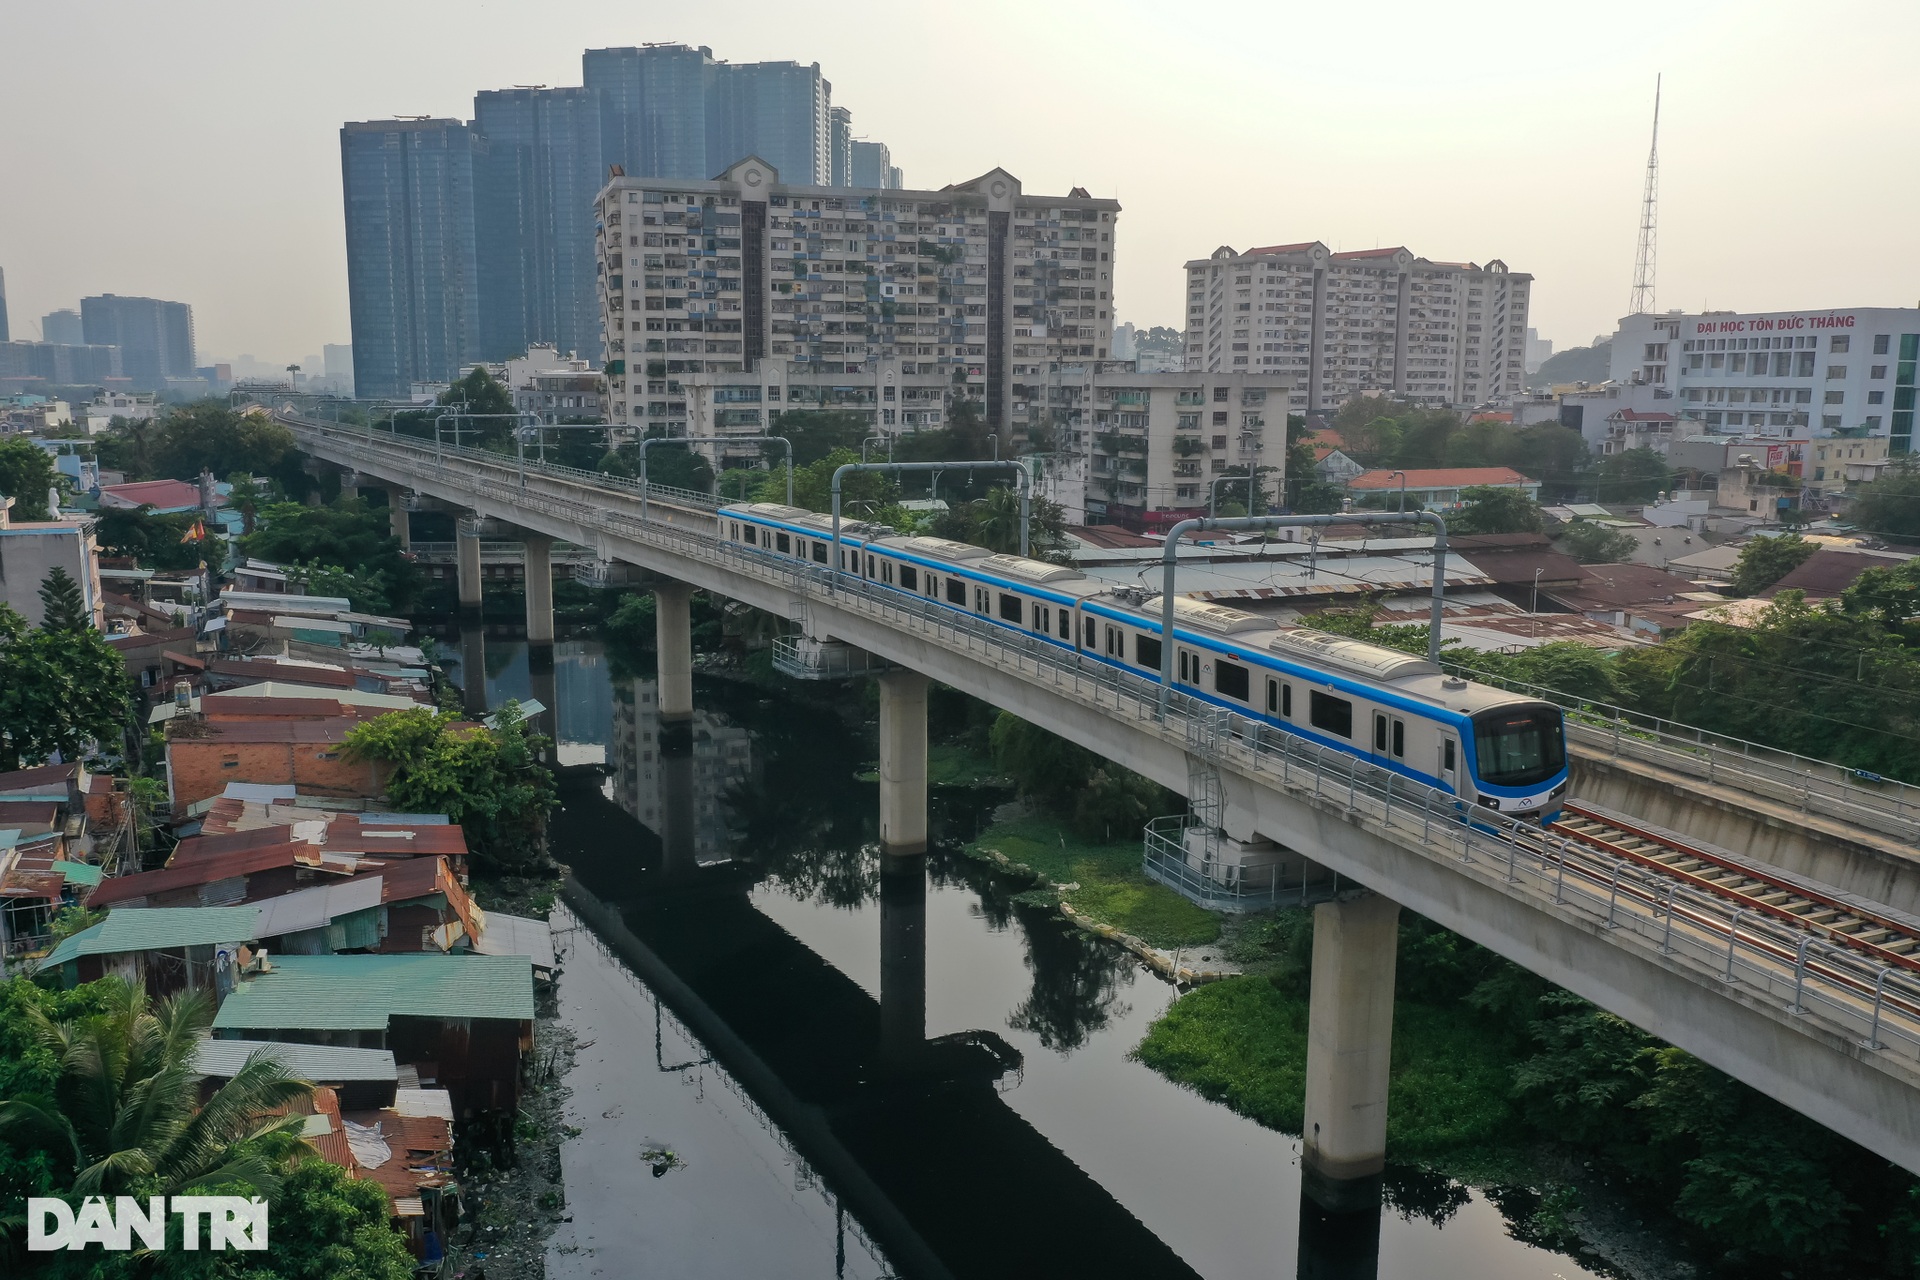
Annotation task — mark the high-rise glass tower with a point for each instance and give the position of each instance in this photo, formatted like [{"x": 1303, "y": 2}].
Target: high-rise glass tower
[
  {"x": 779, "y": 111},
  {"x": 653, "y": 107},
  {"x": 6, "y": 335},
  {"x": 533, "y": 219},
  {"x": 155, "y": 337},
  {"x": 413, "y": 280}
]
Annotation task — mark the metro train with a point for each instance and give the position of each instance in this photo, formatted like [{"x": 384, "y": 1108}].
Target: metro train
[{"x": 1489, "y": 747}]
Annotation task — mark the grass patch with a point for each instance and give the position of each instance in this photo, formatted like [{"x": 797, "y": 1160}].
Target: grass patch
[
  {"x": 952, "y": 764},
  {"x": 1243, "y": 1042},
  {"x": 1110, "y": 887}
]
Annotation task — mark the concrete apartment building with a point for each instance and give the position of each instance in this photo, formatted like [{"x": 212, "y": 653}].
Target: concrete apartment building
[
  {"x": 1339, "y": 325},
  {"x": 32, "y": 549},
  {"x": 1143, "y": 450},
  {"x": 1779, "y": 373},
  {"x": 974, "y": 286}
]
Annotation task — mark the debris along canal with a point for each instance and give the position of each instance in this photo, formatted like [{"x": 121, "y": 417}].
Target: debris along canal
[{"x": 748, "y": 1104}]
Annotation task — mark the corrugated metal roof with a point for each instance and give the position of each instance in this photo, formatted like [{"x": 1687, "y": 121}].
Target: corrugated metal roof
[
  {"x": 360, "y": 993},
  {"x": 79, "y": 872},
  {"x": 320, "y": 1063},
  {"x": 505, "y": 935},
  {"x": 149, "y": 928},
  {"x": 312, "y": 908}
]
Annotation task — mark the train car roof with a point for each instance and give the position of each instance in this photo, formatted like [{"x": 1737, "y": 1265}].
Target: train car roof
[
  {"x": 863, "y": 530},
  {"x": 944, "y": 548},
  {"x": 1200, "y": 615},
  {"x": 1376, "y": 661},
  {"x": 1030, "y": 570}
]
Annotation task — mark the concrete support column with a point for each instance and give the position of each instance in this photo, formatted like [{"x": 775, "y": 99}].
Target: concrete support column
[
  {"x": 539, "y": 577},
  {"x": 467, "y": 565},
  {"x": 673, "y": 624},
  {"x": 473, "y": 669},
  {"x": 903, "y": 958},
  {"x": 1349, "y": 1039},
  {"x": 903, "y": 762},
  {"x": 399, "y": 519}
]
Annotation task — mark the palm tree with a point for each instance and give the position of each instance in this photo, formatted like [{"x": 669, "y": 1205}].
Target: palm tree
[{"x": 123, "y": 1113}]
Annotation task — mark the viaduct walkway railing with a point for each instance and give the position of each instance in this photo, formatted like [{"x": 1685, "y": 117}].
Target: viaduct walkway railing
[{"x": 1848, "y": 995}]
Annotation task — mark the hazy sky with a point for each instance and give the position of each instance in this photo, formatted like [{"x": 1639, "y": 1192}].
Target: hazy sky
[{"x": 189, "y": 150}]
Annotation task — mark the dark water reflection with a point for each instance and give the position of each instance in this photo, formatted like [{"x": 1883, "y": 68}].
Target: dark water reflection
[{"x": 890, "y": 1070}]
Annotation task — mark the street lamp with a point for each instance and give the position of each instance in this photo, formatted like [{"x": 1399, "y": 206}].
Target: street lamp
[{"x": 1535, "y": 609}]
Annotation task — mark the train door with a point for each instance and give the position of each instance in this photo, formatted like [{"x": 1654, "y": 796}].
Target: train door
[
  {"x": 1389, "y": 738},
  {"x": 1448, "y": 764}
]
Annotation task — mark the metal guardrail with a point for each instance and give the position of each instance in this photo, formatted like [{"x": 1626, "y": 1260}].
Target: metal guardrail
[
  {"x": 1873, "y": 1004},
  {"x": 804, "y": 658},
  {"x": 1223, "y": 886},
  {"x": 1816, "y": 787}
]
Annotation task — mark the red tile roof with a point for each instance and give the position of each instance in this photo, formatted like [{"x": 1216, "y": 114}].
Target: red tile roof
[
  {"x": 155, "y": 493},
  {"x": 1440, "y": 478}
]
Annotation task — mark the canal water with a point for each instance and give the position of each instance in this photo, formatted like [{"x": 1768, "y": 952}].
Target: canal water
[{"x": 739, "y": 973}]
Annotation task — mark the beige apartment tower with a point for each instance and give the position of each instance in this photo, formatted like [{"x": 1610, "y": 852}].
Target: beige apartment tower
[{"x": 1337, "y": 325}]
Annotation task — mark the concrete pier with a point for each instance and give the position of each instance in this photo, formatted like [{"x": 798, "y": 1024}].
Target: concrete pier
[
  {"x": 539, "y": 576},
  {"x": 903, "y": 762},
  {"x": 399, "y": 519},
  {"x": 673, "y": 626},
  {"x": 473, "y": 669},
  {"x": 467, "y": 567},
  {"x": 1349, "y": 1041}
]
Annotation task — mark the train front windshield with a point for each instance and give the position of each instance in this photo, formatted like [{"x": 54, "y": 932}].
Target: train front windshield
[{"x": 1519, "y": 746}]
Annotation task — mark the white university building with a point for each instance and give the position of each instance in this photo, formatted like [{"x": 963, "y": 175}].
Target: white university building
[
  {"x": 1779, "y": 373},
  {"x": 1337, "y": 325}
]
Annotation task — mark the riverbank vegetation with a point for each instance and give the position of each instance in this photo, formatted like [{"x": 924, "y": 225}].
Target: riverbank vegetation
[
  {"x": 98, "y": 1097},
  {"x": 1503, "y": 1080}
]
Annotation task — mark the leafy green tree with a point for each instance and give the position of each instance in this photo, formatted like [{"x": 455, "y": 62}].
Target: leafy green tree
[
  {"x": 815, "y": 433},
  {"x": 1764, "y": 561},
  {"x": 209, "y": 436},
  {"x": 1634, "y": 475},
  {"x": 26, "y": 475},
  {"x": 329, "y": 1225},
  {"x": 490, "y": 781},
  {"x": 130, "y": 446},
  {"x": 994, "y": 523},
  {"x": 1491, "y": 509},
  {"x": 1043, "y": 765},
  {"x": 59, "y": 690},
  {"x": 61, "y": 605},
  {"x": 246, "y": 495},
  {"x": 367, "y": 592},
  {"x": 1891, "y": 594},
  {"x": 346, "y": 535},
  {"x": 1890, "y": 506},
  {"x": 867, "y": 492},
  {"x": 150, "y": 540},
  {"x": 122, "y": 1115},
  {"x": 1592, "y": 543}
]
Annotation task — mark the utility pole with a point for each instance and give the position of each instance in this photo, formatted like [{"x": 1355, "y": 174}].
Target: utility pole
[{"x": 1643, "y": 257}]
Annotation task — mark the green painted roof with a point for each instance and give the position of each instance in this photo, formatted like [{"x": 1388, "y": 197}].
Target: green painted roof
[
  {"x": 360, "y": 993},
  {"x": 148, "y": 928},
  {"x": 79, "y": 872}
]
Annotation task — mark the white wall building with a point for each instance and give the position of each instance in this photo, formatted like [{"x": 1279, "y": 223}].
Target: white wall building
[
  {"x": 1780, "y": 373},
  {"x": 978, "y": 280},
  {"x": 1337, "y": 325}
]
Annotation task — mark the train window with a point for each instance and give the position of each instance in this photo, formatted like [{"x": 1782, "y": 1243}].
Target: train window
[
  {"x": 733, "y": 530},
  {"x": 873, "y": 565},
  {"x": 1146, "y": 652},
  {"x": 886, "y": 571},
  {"x": 1273, "y": 697},
  {"x": 1379, "y": 733},
  {"x": 1116, "y": 643},
  {"x": 956, "y": 592},
  {"x": 1446, "y": 755},
  {"x": 1042, "y": 619},
  {"x": 1335, "y": 715},
  {"x": 782, "y": 543},
  {"x": 909, "y": 577},
  {"x": 1010, "y": 610},
  {"x": 1066, "y": 625},
  {"x": 982, "y": 600},
  {"x": 1400, "y": 739},
  {"x": 1089, "y": 640},
  {"x": 1517, "y": 747},
  {"x": 766, "y": 539},
  {"x": 1286, "y": 701},
  {"x": 819, "y": 553},
  {"x": 1230, "y": 679},
  {"x": 1182, "y": 654}
]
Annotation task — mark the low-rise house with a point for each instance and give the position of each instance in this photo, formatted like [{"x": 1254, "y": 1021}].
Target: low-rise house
[
  {"x": 464, "y": 1022},
  {"x": 1635, "y": 596},
  {"x": 163, "y": 949},
  {"x": 203, "y": 756},
  {"x": 32, "y": 549},
  {"x": 363, "y": 1079},
  {"x": 1435, "y": 489},
  {"x": 1829, "y": 571},
  {"x": 406, "y": 1148}
]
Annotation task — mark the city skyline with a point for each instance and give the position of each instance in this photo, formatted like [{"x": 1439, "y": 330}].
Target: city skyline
[{"x": 1161, "y": 112}]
